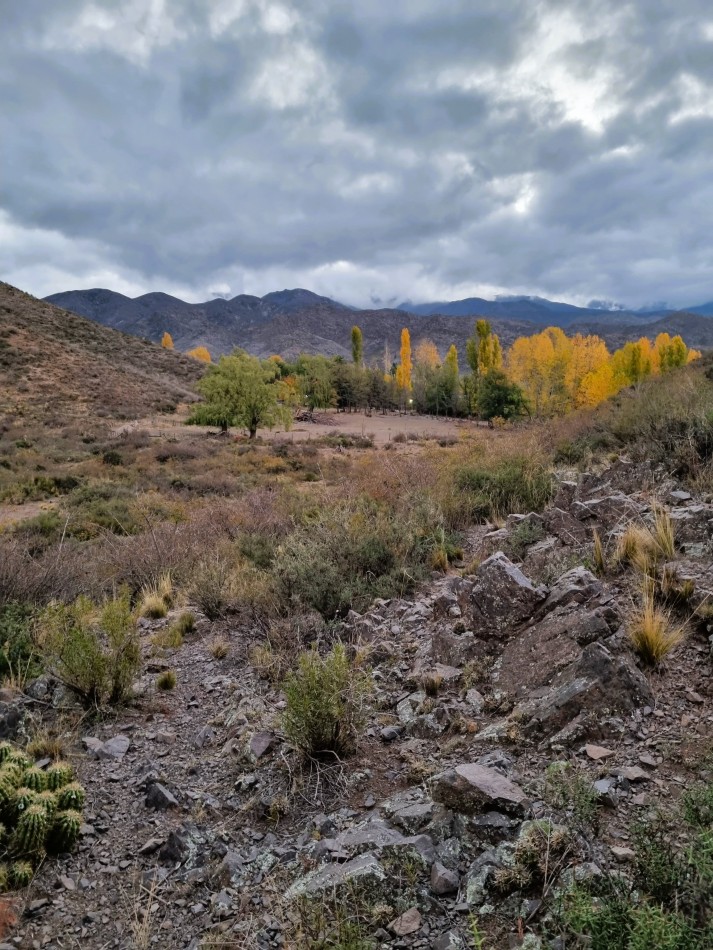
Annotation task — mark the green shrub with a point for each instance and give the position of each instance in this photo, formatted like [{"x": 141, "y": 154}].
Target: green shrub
[
  {"x": 93, "y": 650},
  {"x": 513, "y": 485},
  {"x": 327, "y": 701},
  {"x": 349, "y": 555},
  {"x": 211, "y": 585},
  {"x": 18, "y": 657}
]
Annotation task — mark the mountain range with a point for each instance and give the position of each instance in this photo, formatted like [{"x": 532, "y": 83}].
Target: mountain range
[{"x": 293, "y": 321}]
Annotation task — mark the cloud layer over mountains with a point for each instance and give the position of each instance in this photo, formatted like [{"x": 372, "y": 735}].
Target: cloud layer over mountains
[{"x": 367, "y": 150}]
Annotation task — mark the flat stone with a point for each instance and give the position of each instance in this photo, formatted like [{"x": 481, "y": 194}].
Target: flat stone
[
  {"x": 622, "y": 854},
  {"x": 261, "y": 743},
  {"x": 364, "y": 871},
  {"x": 597, "y": 752},
  {"x": 471, "y": 789},
  {"x": 407, "y": 923},
  {"x": 634, "y": 773}
]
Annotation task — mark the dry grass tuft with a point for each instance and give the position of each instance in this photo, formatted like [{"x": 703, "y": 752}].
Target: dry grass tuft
[
  {"x": 219, "y": 648},
  {"x": 156, "y": 598},
  {"x": 645, "y": 547},
  {"x": 167, "y": 680},
  {"x": 653, "y": 633}
]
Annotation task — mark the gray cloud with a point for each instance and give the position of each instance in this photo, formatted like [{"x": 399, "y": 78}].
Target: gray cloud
[{"x": 370, "y": 151}]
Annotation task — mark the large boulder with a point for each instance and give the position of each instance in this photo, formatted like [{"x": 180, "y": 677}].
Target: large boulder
[
  {"x": 470, "y": 789},
  {"x": 363, "y": 874},
  {"x": 597, "y": 682},
  {"x": 502, "y": 598}
]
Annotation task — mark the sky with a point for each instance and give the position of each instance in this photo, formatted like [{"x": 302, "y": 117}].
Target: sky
[{"x": 374, "y": 151}]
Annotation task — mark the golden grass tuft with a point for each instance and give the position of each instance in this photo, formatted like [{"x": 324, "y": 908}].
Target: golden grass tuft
[
  {"x": 219, "y": 648},
  {"x": 645, "y": 547},
  {"x": 156, "y": 598},
  {"x": 652, "y": 631}
]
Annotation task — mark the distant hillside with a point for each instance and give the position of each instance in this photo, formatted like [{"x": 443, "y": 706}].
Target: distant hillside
[
  {"x": 696, "y": 330},
  {"x": 56, "y": 365},
  {"x": 535, "y": 309},
  {"x": 295, "y": 321}
]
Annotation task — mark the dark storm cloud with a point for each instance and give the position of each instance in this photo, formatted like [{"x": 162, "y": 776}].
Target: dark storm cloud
[{"x": 368, "y": 150}]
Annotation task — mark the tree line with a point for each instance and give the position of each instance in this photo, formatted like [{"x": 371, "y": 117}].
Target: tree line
[{"x": 545, "y": 374}]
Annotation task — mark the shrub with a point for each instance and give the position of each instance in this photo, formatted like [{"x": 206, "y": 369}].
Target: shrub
[
  {"x": 327, "y": 701},
  {"x": 18, "y": 658},
  {"x": 219, "y": 648},
  {"x": 513, "y": 485},
  {"x": 566, "y": 788},
  {"x": 653, "y": 633},
  {"x": 210, "y": 587},
  {"x": 94, "y": 650}
]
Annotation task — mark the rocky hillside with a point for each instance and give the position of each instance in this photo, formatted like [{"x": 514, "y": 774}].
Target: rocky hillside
[
  {"x": 63, "y": 366},
  {"x": 514, "y": 743}
]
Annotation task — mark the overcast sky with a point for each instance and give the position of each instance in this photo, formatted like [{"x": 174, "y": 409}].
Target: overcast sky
[{"x": 371, "y": 150}]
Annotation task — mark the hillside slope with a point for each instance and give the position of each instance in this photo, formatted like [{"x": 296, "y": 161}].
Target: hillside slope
[{"x": 57, "y": 365}]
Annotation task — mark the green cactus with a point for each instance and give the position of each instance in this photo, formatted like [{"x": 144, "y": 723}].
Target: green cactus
[
  {"x": 5, "y": 749},
  {"x": 4, "y": 878},
  {"x": 64, "y": 832},
  {"x": 7, "y": 795},
  {"x": 29, "y": 836},
  {"x": 19, "y": 758},
  {"x": 12, "y": 772},
  {"x": 72, "y": 796},
  {"x": 21, "y": 874},
  {"x": 48, "y": 800},
  {"x": 35, "y": 778},
  {"x": 24, "y": 797},
  {"x": 59, "y": 775}
]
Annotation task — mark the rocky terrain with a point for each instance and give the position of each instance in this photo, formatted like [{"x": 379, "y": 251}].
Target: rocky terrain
[{"x": 513, "y": 743}]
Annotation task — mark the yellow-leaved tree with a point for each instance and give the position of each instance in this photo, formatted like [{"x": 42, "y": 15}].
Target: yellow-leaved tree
[
  {"x": 200, "y": 353},
  {"x": 403, "y": 370},
  {"x": 426, "y": 354},
  {"x": 167, "y": 341}
]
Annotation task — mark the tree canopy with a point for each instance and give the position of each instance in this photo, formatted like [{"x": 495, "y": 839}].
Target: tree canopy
[{"x": 241, "y": 390}]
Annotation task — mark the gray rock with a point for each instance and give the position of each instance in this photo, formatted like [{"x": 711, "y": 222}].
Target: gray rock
[
  {"x": 159, "y": 797},
  {"x": 261, "y": 743},
  {"x": 443, "y": 880},
  {"x": 565, "y": 526},
  {"x": 502, "y": 597},
  {"x": 448, "y": 941},
  {"x": 597, "y": 681},
  {"x": 471, "y": 789},
  {"x": 364, "y": 872},
  {"x": 408, "y": 923},
  {"x": 413, "y": 817}
]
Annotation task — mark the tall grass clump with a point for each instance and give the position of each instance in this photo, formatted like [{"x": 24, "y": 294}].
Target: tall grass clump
[{"x": 327, "y": 703}]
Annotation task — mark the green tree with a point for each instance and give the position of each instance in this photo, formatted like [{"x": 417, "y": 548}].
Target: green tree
[
  {"x": 315, "y": 378},
  {"x": 497, "y": 396},
  {"x": 357, "y": 346},
  {"x": 240, "y": 390}
]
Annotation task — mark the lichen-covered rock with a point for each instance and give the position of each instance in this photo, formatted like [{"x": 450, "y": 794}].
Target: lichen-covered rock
[
  {"x": 364, "y": 873},
  {"x": 471, "y": 789}
]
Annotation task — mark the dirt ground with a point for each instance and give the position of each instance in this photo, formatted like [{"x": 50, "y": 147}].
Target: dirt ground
[{"x": 383, "y": 428}]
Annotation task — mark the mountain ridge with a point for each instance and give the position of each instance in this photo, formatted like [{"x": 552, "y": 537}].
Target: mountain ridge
[{"x": 298, "y": 320}]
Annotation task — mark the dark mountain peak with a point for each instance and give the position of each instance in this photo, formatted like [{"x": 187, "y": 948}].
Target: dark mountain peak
[{"x": 298, "y": 299}]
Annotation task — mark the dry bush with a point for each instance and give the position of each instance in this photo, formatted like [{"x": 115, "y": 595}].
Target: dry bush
[{"x": 59, "y": 574}]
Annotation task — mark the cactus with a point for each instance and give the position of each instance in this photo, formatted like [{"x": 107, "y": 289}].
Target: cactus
[
  {"x": 5, "y": 749},
  {"x": 4, "y": 878},
  {"x": 24, "y": 797},
  {"x": 64, "y": 832},
  {"x": 29, "y": 836},
  {"x": 58, "y": 775},
  {"x": 35, "y": 778},
  {"x": 19, "y": 758},
  {"x": 21, "y": 874},
  {"x": 72, "y": 796},
  {"x": 12, "y": 772},
  {"x": 48, "y": 800},
  {"x": 7, "y": 795}
]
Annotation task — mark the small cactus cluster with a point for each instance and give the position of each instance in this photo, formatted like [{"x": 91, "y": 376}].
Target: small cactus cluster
[{"x": 40, "y": 813}]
